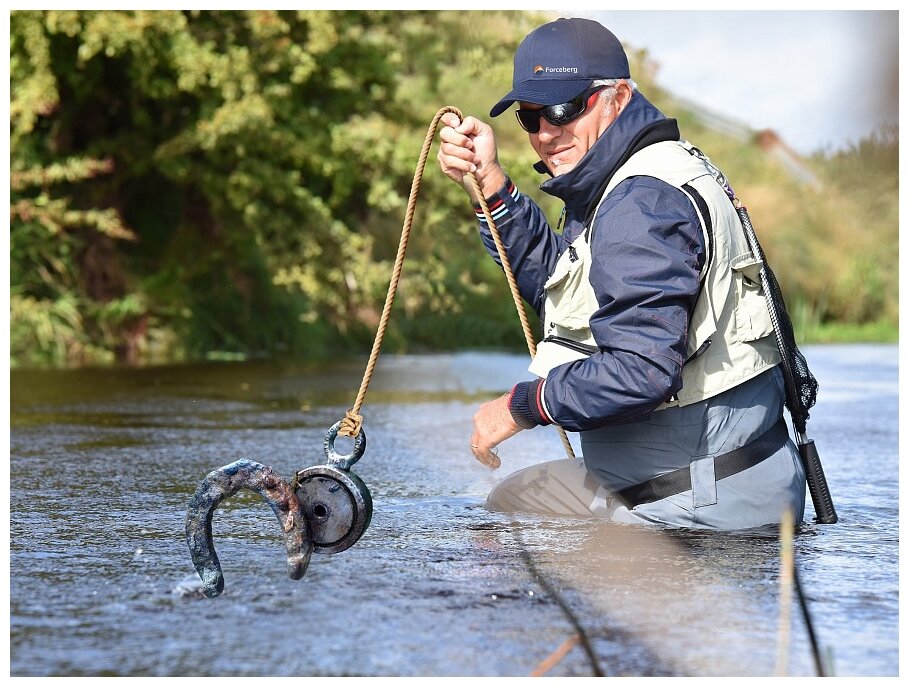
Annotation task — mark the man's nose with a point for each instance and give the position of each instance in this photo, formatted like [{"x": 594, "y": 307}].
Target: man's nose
[{"x": 548, "y": 131}]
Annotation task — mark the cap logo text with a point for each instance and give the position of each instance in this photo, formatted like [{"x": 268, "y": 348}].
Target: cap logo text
[{"x": 539, "y": 69}]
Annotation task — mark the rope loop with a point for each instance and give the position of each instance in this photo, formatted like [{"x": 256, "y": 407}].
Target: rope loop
[{"x": 351, "y": 424}]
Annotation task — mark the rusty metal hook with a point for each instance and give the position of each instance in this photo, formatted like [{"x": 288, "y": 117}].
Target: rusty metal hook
[{"x": 225, "y": 482}]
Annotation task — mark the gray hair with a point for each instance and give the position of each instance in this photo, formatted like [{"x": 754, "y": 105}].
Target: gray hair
[{"x": 612, "y": 83}]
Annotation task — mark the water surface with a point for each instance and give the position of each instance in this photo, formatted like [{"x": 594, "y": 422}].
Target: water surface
[{"x": 103, "y": 463}]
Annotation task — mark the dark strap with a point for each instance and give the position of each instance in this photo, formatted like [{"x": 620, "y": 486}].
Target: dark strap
[
  {"x": 707, "y": 228},
  {"x": 725, "y": 465}
]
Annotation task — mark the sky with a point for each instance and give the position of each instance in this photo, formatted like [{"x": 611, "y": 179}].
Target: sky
[{"x": 819, "y": 79}]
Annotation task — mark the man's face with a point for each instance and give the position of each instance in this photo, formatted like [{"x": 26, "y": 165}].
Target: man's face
[{"x": 562, "y": 147}]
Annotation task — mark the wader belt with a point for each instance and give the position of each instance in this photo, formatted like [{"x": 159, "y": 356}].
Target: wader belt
[{"x": 725, "y": 465}]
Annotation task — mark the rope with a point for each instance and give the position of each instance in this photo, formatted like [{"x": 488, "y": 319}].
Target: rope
[
  {"x": 787, "y": 566},
  {"x": 353, "y": 421},
  {"x": 513, "y": 287},
  {"x": 789, "y": 579},
  {"x": 553, "y": 659}
]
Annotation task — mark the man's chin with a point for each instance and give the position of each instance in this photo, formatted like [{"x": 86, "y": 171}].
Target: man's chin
[{"x": 561, "y": 168}]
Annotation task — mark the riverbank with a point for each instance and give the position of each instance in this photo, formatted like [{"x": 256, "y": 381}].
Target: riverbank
[
  {"x": 875, "y": 333},
  {"x": 848, "y": 333}
]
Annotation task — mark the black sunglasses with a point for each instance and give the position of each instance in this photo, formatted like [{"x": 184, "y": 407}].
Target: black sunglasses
[{"x": 557, "y": 115}]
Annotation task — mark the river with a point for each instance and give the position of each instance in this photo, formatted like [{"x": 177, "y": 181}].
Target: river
[{"x": 103, "y": 463}]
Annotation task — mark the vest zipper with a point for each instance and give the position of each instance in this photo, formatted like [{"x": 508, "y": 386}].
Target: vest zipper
[
  {"x": 573, "y": 345},
  {"x": 703, "y": 347}
]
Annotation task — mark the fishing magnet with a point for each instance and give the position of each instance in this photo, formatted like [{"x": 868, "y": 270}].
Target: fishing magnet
[{"x": 337, "y": 505}]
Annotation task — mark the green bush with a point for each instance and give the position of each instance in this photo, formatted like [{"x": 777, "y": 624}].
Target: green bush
[{"x": 233, "y": 183}]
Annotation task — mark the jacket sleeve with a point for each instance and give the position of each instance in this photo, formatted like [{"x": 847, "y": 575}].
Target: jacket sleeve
[
  {"x": 648, "y": 249},
  {"x": 531, "y": 245}
]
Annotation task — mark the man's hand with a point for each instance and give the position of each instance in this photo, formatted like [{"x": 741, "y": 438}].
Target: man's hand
[
  {"x": 492, "y": 425},
  {"x": 470, "y": 147}
]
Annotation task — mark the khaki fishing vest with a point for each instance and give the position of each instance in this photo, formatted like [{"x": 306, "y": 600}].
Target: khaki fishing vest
[{"x": 730, "y": 334}]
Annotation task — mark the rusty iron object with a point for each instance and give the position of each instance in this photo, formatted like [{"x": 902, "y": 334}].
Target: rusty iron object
[
  {"x": 336, "y": 502},
  {"x": 223, "y": 483}
]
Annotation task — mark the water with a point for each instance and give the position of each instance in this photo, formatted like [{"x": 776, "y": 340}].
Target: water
[{"x": 103, "y": 463}]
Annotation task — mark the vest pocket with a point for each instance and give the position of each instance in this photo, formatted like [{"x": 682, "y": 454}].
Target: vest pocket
[
  {"x": 570, "y": 300},
  {"x": 752, "y": 319}
]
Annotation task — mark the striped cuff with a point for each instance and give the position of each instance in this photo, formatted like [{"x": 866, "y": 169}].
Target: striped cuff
[
  {"x": 496, "y": 202},
  {"x": 526, "y": 404}
]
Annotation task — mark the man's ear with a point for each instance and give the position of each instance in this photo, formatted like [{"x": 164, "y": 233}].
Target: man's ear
[{"x": 623, "y": 93}]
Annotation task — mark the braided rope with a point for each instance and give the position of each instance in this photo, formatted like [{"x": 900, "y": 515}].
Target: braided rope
[
  {"x": 513, "y": 287},
  {"x": 353, "y": 421}
]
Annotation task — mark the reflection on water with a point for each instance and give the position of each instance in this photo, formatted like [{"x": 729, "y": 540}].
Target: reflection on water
[{"x": 103, "y": 463}]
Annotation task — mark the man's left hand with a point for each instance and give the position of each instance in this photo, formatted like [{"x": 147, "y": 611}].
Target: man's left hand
[{"x": 492, "y": 425}]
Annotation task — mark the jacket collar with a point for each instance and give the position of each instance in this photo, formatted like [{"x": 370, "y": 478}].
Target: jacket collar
[{"x": 640, "y": 124}]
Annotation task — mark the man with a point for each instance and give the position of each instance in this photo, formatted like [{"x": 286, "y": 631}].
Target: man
[{"x": 657, "y": 345}]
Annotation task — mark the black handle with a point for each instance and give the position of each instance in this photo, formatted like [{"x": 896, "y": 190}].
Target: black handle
[{"x": 817, "y": 484}]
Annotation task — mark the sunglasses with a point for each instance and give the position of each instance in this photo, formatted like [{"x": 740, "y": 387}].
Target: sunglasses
[{"x": 557, "y": 115}]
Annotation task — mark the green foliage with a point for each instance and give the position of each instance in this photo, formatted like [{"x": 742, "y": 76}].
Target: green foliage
[
  {"x": 861, "y": 241},
  {"x": 198, "y": 183},
  {"x": 259, "y": 162}
]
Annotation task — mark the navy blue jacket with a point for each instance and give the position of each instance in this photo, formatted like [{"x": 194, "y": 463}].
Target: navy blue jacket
[{"x": 647, "y": 247}]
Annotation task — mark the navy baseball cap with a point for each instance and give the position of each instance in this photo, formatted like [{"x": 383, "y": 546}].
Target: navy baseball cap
[{"x": 558, "y": 61}]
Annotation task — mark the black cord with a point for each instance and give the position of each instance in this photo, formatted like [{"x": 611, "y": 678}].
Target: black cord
[
  {"x": 815, "y": 650},
  {"x": 549, "y": 589}
]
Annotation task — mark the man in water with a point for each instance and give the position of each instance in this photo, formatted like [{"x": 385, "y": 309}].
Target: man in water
[{"x": 657, "y": 344}]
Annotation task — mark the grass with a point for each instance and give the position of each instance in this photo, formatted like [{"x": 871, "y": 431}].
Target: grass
[{"x": 846, "y": 332}]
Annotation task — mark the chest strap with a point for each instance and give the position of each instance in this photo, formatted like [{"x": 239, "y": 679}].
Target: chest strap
[{"x": 725, "y": 465}]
